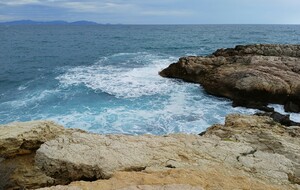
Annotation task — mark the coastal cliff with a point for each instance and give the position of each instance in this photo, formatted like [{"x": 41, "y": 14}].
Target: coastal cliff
[
  {"x": 251, "y": 75},
  {"x": 247, "y": 152}
]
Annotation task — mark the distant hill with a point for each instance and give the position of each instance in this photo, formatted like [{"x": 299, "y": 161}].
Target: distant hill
[
  {"x": 83, "y": 22},
  {"x": 56, "y": 22}
]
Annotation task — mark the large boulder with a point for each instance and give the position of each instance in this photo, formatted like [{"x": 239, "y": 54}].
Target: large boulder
[
  {"x": 253, "y": 74},
  {"x": 25, "y": 137}
]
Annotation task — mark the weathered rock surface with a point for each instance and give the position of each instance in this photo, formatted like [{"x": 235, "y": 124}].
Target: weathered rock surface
[
  {"x": 265, "y": 137},
  {"x": 25, "y": 137},
  {"x": 21, "y": 173},
  {"x": 215, "y": 177},
  {"x": 18, "y": 143},
  {"x": 246, "y": 147},
  {"x": 253, "y": 74},
  {"x": 248, "y": 152}
]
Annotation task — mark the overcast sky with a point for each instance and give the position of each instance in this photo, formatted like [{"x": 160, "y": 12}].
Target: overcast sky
[{"x": 155, "y": 11}]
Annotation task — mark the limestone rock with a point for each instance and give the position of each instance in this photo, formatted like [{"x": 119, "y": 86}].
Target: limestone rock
[
  {"x": 210, "y": 178},
  {"x": 247, "y": 152},
  {"x": 252, "y": 146},
  {"x": 265, "y": 137},
  {"x": 26, "y": 137},
  {"x": 254, "y": 73},
  {"x": 18, "y": 143},
  {"x": 21, "y": 173}
]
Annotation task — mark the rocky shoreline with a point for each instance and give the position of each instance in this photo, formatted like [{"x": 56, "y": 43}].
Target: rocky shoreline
[
  {"x": 252, "y": 75},
  {"x": 248, "y": 152},
  {"x": 255, "y": 152}
]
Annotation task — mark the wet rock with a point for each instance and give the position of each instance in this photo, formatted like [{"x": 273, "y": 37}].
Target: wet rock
[
  {"x": 255, "y": 73},
  {"x": 280, "y": 118}
]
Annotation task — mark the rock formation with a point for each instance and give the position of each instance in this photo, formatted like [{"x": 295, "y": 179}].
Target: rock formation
[
  {"x": 18, "y": 144},
  {"x": 252, "y": 75},
  {"x": 25, "y": 138},
  {"x": 248, "y": 152}
]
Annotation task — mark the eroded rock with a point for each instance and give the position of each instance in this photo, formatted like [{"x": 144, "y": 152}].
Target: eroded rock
[
  {"x": 255, "y": 73},
  {"x": 247, "y": 152},
  {"x": 254, "y": 145},
  {"x": 210, "y": 177},
  {"x": 21, "y": 173},
  {"x": 25, "y": 137},
  {"x": 264, "y": 136},
  {"x": 18, "y": 143}
]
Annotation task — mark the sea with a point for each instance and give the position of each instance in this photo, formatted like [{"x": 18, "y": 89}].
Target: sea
[{"x": 104, "y": 78}]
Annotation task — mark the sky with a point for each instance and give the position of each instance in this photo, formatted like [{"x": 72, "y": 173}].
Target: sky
[{"x": 155, "y": 11}]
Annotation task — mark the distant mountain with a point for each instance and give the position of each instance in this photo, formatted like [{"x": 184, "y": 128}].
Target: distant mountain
[
  {"x": 83, "y": 22},
  {"x": 56, "y": 22}
]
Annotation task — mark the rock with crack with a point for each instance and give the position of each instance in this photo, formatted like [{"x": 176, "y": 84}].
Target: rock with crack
[
  {"x": 209, "y": 177},
  {"x": 18, "y": 143},
  {"x": 252, "y": 75},
  {"x": 255, "y": 145},
  {"x": 248, "y": 152},
  {"x": 21, "y": 173},
  {"x": 265, "y": 137},
  {"x": 25, "y": 137}
]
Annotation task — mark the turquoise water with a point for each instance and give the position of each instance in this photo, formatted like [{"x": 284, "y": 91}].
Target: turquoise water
[{"x": 104, "y": 79}]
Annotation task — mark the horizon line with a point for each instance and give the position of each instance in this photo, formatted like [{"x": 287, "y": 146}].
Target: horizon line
[{"x": 107, "y": 23}]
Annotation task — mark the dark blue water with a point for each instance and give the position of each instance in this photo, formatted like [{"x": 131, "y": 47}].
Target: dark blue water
[{"x": 104, "y": 78}]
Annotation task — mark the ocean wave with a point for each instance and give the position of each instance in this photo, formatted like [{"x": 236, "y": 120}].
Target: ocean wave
[
  {"x": 121, "y": 78},
  {"x": 186, "y": 110},
  {"x": 160, "y": 105},
  {"x": 280, "y": 109},
  {"x": 31, "y": 99}
]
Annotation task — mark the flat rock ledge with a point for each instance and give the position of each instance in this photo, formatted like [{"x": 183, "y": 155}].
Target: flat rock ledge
[
  {"x": 247, "y": 152},
  {"x": 251, "y": 75}
]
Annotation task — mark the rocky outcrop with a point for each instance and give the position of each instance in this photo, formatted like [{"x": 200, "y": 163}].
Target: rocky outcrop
[
  {"x": 248, "y": 152},
  {"x": 216, "y": 177},
  {"x": 21, "y": 173},
  {"x": 249, "y": 75},
  {"x": 18, "y": 143},
  {"x": 24, "y": 138},
  {"x": 251, "y": 147}
]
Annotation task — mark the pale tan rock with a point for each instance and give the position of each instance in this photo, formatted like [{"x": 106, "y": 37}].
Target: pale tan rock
[
  {"x": 248, "y": 152},
  {"x": 211, "y": 177},
  {"x": 18, "y": 143},
  {"x": 162, "y": 187},
  {"x": 25, "y": 137},
  {"x": 21, "y": 173},
  {"x": 253, "y": 144}
]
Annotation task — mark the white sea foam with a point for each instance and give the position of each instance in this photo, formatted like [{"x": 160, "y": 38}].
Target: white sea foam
[
  {"x": 31, "y": 99},
  {"x": 177, "y": 106},
  {"x": 178, "y": 114},
  {"x": 123, "y": 82},
  {"x": 22, "y": 87},
  {"x": 280, "y": 109}
]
